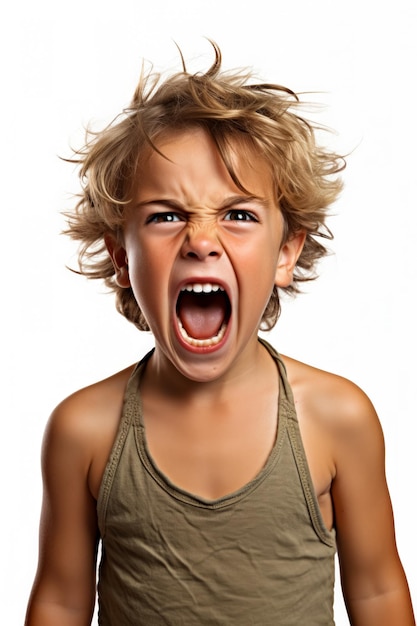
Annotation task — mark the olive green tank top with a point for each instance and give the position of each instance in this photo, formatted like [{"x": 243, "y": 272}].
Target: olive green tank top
[{"x": 259, "y": 556}]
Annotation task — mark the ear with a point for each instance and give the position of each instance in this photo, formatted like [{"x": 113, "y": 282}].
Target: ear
[
  {"x": 119, "y": 259},
  {"x": 288, "y": 257}
]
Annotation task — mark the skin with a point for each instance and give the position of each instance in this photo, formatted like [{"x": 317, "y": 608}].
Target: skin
[{"x": 189, "y": 223}]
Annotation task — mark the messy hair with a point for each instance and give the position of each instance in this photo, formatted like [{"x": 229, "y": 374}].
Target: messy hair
[{"x": 234, "y": 110}]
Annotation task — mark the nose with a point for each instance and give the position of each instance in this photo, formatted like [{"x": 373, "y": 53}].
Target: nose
[{"x": 200, "y": 242}]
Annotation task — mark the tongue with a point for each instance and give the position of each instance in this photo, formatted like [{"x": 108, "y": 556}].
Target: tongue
[{"x": 201, "y": 315}]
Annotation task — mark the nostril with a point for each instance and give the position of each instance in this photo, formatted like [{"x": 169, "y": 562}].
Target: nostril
[{"x": 192, "y": 254}]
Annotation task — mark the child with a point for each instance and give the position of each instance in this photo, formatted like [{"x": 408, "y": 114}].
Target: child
[{"x": 219, "y": 476}]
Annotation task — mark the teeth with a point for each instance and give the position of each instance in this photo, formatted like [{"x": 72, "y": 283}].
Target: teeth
[
  {"x": 203, "y": 343},
  {"x": 202, "y": 288}
]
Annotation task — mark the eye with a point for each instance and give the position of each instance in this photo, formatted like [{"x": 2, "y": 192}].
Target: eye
[
  {"x": 163, "y": 218},
  {"x": 240, "y": 215}
]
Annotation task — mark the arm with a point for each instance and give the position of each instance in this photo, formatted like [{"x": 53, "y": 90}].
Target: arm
[
  {"x": 64, "y": 589},
  {"x": 374, "y": 584}
]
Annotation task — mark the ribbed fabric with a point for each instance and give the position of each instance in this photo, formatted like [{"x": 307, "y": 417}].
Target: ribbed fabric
[{"x": 259, "y": 556}]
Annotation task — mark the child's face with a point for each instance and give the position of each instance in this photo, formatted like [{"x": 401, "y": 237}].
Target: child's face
[{"x": 203, "y": 256}]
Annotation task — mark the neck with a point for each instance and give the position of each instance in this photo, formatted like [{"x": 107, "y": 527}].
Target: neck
[{"x": 246, "y": 373}]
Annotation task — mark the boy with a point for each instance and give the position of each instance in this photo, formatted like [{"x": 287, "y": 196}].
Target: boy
[{"x": 218, "y": 475}]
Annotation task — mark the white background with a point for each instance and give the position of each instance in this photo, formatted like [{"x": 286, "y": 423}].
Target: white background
[{"x": 66, "y": 64}]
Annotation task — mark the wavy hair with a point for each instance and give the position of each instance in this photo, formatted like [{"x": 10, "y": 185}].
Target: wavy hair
[{"x": 234, "y": 110}]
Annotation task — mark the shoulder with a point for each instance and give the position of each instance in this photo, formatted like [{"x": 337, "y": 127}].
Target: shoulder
[
  {"x": 91, "y": 405},
  {"x": 83, "y": 426},
  {"x": 332, "y": 401},
  {"x": 341, "y": 432}
]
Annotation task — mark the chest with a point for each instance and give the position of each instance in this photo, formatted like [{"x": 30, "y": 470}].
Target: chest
[
  {"x": 212, "y": 451},
  {"x": 215, "y": 562}
]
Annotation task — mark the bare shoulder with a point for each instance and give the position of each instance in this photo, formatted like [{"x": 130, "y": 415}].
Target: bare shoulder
[
  {"x": 329, "y": 399},
  {"x": 85, "y": 424},
  {"x": 342, "y": 438},
  {"x": 90, "y": 407}
]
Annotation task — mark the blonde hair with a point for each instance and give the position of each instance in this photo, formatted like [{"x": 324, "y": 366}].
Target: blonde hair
[{"x": 231, "y": 108}]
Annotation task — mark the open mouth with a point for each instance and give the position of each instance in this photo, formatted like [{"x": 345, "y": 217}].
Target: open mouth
[{"x": 203, "y": 312}]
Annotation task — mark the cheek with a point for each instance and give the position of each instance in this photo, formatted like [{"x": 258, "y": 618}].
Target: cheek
[
  {"x": 148, "y": 275},
  {"x": 259, "y": 260}
]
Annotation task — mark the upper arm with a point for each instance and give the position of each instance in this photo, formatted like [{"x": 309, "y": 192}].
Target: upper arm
[
  {"x": 369, "y": 562},
  {"x": 68, "y": 531},
  {"x": 359, "y": 491}
]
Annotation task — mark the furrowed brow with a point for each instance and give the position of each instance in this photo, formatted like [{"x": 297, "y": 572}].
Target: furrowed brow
[
  {"x": 228, "y": 203},
  {"x": 167, "y": 202},
  {"x": 239, "y": 200}
]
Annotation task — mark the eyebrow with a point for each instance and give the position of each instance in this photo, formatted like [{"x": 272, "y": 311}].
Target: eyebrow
[
  {"x": 243, "y": 200},
  {"x": 229, "y": 202}
]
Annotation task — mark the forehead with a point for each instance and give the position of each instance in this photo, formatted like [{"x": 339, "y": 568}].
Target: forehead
[{"x": 191, "y": 157}]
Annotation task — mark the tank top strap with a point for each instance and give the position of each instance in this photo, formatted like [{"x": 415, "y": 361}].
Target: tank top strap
[
  {"x": 131, "y": 409},
  {"x": 287, "y": 405}
]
